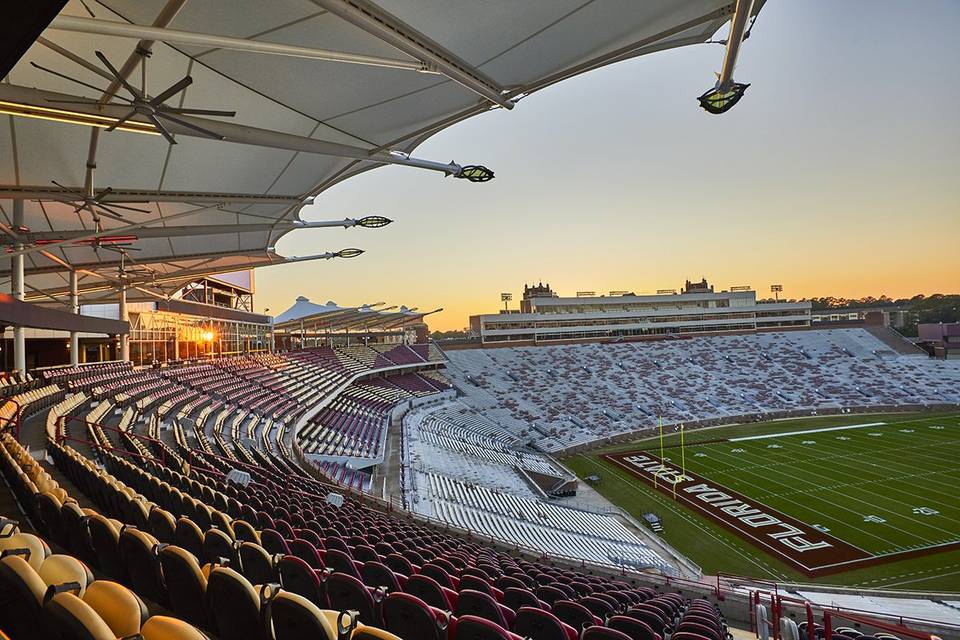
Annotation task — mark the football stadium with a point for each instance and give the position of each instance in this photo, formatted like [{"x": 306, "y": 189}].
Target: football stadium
[{"x": 179, "y": 463}]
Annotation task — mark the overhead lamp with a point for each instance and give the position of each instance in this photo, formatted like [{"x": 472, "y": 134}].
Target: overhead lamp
[
  {"x": 373, "y": 222},
  {"x": 718, "y": 100},
  {"x": 475, "y": 173},
  {"x": 73, "y": 117},
  {"x": 348, "y": 253}
]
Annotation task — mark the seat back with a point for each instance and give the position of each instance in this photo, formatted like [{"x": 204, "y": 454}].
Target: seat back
[
  {"x": 474, "y": 628},
  {"x": 636, "y": 629},
  {"x": 219, "y": 547},
  {"x": 294, "y": 618},
  {"x": 138, "y": 552},
  {"x": 574, "y": 614},
  {"x": 234, "y": 606},
  {"x": 167, "y": 628},
  {"x": 73, "y": 619},
  {"x": 162, "y": 525},
  {"x": 537, "y": 624},
  {"x": 428, "y": 590},
  {"x": 256, "y": 563},
  {"x": 116, "y": 605},
  {"x": 410, "y": 617},
  {"x": 603, "y": 633},
  {"x": 376, "y": 574},
  {"x": 188, "y": 536},
  {"x": 298, "y": 577},
  {"x": 23, "y": 589},
  {"x": 477, "y": 603},
  {"x": 186, "y": 584},
  {"x": 307, "y": 552},
  {"x": 341, "y": 562},
  {"x": 347, "y": 592}
]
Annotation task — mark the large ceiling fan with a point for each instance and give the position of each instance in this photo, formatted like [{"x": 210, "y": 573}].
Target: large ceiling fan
[
  {"x": 93, "y": 203},
  {"x": 153, "y": 109}
]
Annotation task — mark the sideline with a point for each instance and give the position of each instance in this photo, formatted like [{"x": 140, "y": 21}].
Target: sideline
[{"x": 800, "y": 433}]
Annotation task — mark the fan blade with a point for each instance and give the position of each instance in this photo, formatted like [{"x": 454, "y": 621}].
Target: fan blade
[
  {"x": 200, "y": 112},
  {"x": 126, "y": 85},
  {"x": 90, "y": 11},
  {"x": 121, "y": 121},
  {"x": 105, "y": 192},
  {"x": 184, "y": 123},
  {"x": 67, "y": 189},
  {"x": 65, "y": 77},
  {"x": 111, "y": 214},
  {"x": 171, "y": 91},
  {"x": 162, "y": 129},
  {"x": 114, "y": 205},
  {"x": 91, "y": 101}
]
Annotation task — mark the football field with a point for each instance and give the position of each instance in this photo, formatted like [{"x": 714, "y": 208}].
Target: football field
[{"x": 844, "y": 499}]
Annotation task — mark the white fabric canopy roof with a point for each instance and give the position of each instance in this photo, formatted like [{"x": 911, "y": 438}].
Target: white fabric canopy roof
[{"x": 301, "y": 125}]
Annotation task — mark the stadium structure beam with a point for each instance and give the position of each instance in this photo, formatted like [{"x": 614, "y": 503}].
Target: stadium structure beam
[
  {"x": 103, "y": 27},
  {"x": 183, "y": 231},
  {"x": 184, "y": 275},
  {"x": 17, "y": 290},
  {"x": 36, "y": 192},
  {"x": 114, "y": 230},
  {"x": 388, "y": 28},
  {"x": 29, "y": 102},
  {"x": 74, "y": 308}
]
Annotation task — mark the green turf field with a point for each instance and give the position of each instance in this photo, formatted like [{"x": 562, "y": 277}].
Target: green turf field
[{"x": 885, "y": 488}]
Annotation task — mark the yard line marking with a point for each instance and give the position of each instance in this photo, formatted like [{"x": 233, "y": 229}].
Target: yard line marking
[
  {"x": 921, "y": 579},
  {"x": 909, "y": 534},
  {"x": 800, "y": 433}
]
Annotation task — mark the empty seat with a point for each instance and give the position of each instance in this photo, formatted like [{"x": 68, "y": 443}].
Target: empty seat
[
  {"x": 307, "y": 552},
  {"x": 476, "y": 603},
  {"x": 376, "y": 574},
  {"x": 574, "y": 614},
  {"x": 474, "y": 628},
  {"x": 138, "y": 551},
  {"x": 162, "y": 525},
  {"x": 257, "y": 564},
  {"x": 60, "y": 569},
  {"x": 636, "y": 629},
  {"x": 189, "y": 536},
  {"x": 295, "y": 617},
  {"x": 430, "y": 591},
  {"x": 26, "y": 545},
  {"x": 410, "y": 617},
  {"x": 116, "y": 605},
  {"x": 516, "y": 597},
  {"x": 537, "y": 624},
  {"x": 167, "y": 628},
  {"x": 219, "y": 547},
  {"x": 234, "y": 606},
  {"x": 603, "y": 633},
  {"x": 298, "y": 577},
  {"x": 347, "y": 592},
  {"x": 186, "y": 584}
]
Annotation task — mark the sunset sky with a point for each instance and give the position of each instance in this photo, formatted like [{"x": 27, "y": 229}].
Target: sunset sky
[{"x": 837, "y": 174}]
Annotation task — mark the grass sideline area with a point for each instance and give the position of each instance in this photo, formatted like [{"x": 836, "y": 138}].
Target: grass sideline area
[{"x": 885, "y": 488}]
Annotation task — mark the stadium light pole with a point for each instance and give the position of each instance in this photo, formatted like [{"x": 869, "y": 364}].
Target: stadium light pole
[
  {"x": 726, "y": 93},
  {"x": 776, "y": 289},
  {"x": 505, "y": 298}
]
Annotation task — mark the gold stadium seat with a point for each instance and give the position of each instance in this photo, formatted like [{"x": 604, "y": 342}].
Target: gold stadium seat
[
  {"x": 162, "y": 525},
  {"x": 186, "y": 584},
  {"x": 138, "y": 552},
  {"x": 60, "y": 569},
  {"x": 74, "y": 619},
  {"x": 166, "y": 628},
  {"x": 28, "y": 546},
  {"x": 105, "y": 538},
  {"x": 118, "y": 606},
  {"x": 234, "y": 606}
]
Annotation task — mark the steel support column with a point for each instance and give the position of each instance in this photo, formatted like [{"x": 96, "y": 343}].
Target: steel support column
[
  {"x": 125, "y": 316},
  {"x": 75, "y": 308},
  {"x": 17, "y": 291}
]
